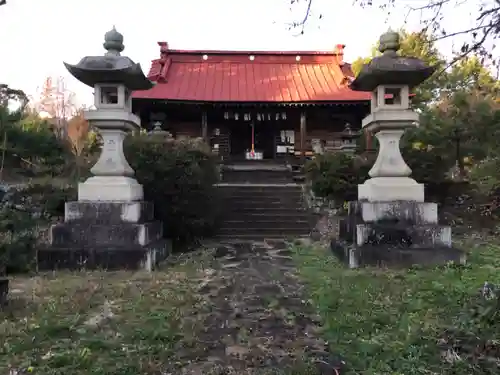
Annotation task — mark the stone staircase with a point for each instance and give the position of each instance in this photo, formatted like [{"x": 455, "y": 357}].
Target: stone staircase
[
  {"x": 262, "y": 203},
  {"x": 256, "y": 172}
]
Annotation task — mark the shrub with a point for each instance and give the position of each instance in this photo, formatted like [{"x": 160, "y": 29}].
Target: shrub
[
  {"x": 24, "y": 212},
  {"x": 484, "y": 177},
  {"x": 43, "y": 200},
  {"x": 32, "y": 148},
  {"x": 428, "y": 166},
  {"x": 17, "y": 240},
  {"x": 336, "y": 175},
  {"x": 178, "y": 177}
]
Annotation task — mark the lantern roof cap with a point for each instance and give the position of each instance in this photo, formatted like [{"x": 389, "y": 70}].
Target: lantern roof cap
[{"x": 390, "y": 68}]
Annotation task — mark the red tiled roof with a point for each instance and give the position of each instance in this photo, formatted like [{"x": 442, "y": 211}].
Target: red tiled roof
[{"x": 241, "y": 76}]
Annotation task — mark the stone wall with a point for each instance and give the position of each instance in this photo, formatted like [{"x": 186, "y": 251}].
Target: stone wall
[{"x": 326, "y": 215}]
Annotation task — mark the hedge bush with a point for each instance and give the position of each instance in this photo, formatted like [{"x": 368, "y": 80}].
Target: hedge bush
[
  {"x": 336, "y": 175},
  {"x": 178, "y": 177},
  {"x": 24, "y": 214},
  {"x": 428, "y": 166},
  {"x": 17, "y": 240}
]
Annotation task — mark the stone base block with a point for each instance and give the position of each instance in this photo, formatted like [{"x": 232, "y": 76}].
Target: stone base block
[
  {"x": 4, "y": 290},
  {"x": 399, "y": 212},
  {"x": 119, "y": 188},
  {"x": 394, "y": 234},
  {"x": 394, "y": 256},
  {"x": 108, "y": 212},
  {"x": 402, "y": 235},
  {"x": 82, "y": 234},
  {"x": 388, "y": 189},
  {"x": 132, "y": 257}
]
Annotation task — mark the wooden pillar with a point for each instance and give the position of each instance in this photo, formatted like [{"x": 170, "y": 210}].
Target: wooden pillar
[
  {"x": 204, "y": 126},
  {"x": 303, "y": 132}
]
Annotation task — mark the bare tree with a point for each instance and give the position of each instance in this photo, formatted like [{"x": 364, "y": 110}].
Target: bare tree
[
  {"x": 56, "y": 103},
  {"x": 482, "y": 35}
]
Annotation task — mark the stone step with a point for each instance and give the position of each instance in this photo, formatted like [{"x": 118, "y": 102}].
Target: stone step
[
  {"x": 277, "y": 208},
  {"x": 250, "y": 194},
  {"x": 249, "y": 180},
  {"x": 284, "y": 199},
  {"x": 261, "y": 187},
  {"x": 257, "y": 211},
  {"x": 257, "y": 237},
  {"x": 275, "y": 224},
  {"x": 299, "y": 178},
  {"x": 269, "y": 231},
  {"x": 237, "y": 193},
  {"x": 259, "y": 205},
  {"x": 263, "y": 197},
  {"x": 267, "y": 210},
  {"x": 256, "y": 176},
  {"x": 257, "y": 171},
  {"x": 290, "y": 216}
]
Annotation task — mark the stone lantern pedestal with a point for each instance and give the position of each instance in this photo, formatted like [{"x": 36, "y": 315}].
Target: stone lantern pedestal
[
  {"x": 110, "y": 226},
  {"x": 391, "y": 224}
]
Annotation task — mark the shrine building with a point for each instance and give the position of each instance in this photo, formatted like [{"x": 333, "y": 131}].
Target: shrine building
[{"x": 255, "y": 105}]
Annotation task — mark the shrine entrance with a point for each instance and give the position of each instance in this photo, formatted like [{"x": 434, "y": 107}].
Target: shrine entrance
[
  {"x": 253, "y": 140},
  {"x": 264, "y": 139},
  {"x": 258, "y": 135}
]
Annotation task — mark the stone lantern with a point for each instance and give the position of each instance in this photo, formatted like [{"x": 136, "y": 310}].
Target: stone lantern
[
  {"x": 348, "y": 138},
  {"x": 390, "y": 78},
  {"x": 390, "y": 223},
  {"x": 113, "y": 78},
  {"x": 110, "y": 226}
]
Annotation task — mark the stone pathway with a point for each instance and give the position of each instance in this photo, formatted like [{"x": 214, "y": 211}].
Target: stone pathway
[{"x": 257, "y": 319}]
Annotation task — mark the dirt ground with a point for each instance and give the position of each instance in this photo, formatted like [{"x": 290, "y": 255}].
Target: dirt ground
[{"x": 256, "y": 315}]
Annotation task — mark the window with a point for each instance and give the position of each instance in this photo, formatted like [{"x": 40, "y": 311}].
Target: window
[
  {"x": 109, "y": 95},
  {"x": 393, "y": 96}
]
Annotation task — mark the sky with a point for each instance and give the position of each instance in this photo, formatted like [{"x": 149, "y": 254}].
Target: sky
[{"x": 38, "y": 35}]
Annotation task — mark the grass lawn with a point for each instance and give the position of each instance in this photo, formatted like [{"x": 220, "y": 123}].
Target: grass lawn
[
  {"x": 382, "y": 322},
  {"x": 99, "y": 323},
  {"x": 387, "y": 322}
]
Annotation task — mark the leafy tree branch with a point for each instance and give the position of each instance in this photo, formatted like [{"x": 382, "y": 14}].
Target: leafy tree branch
[{"x": 433, "y": 13}]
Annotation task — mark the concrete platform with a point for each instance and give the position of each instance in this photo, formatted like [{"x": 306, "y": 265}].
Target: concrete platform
[
  {"x": 133, "y": 257},
  {"x": 105, "y": 235},
  {"x": 394, "y": 234},
  {"x": 391, "y": 256}
]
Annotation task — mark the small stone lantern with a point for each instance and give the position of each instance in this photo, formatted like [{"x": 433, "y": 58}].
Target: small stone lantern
[
  {"x": 110, "y": 226},
  {"x": 390, "y": 78},
  {"x": 390, "y": 224},
  {"x": 113, "y": 78},
  {"x": 348, "y": 138}
]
